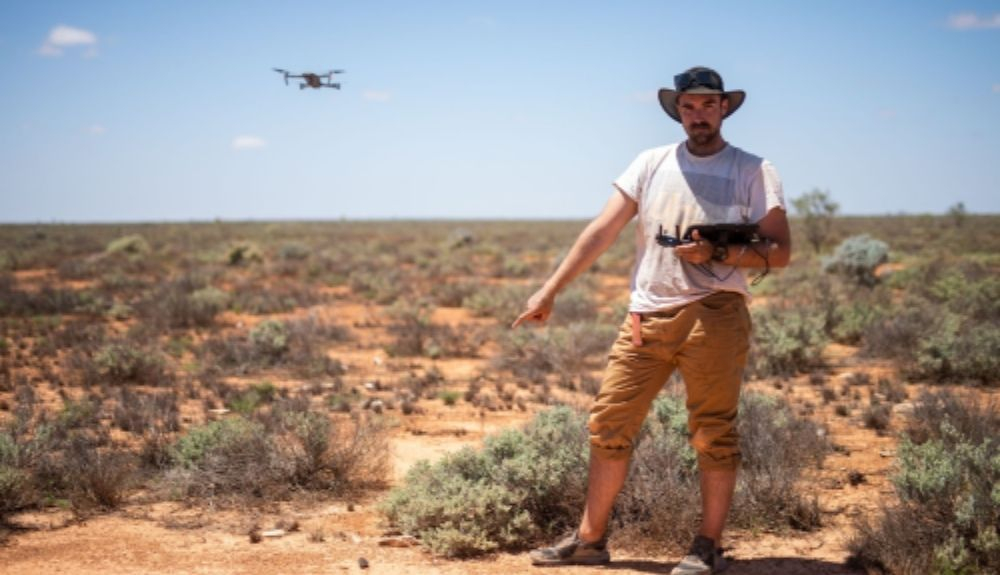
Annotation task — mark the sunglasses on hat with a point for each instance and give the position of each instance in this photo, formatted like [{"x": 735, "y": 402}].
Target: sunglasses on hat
[{"x": 697, "y": 78}]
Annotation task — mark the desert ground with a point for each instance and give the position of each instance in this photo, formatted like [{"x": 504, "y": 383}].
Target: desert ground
[{"x": 313, "y": 531}]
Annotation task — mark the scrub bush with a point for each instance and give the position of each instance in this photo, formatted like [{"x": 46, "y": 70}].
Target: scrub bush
[
  {"x": 504, "y": 302},
  {"x": 382, "y": 286},
  {"x": 568, "y": 352},
  {"x": 269, "y": 340},
  {"x": 416, "y": 334},
  {"x": 185, "y": 302},
  {"x": 522, "y": 484},
  {"x": 937, "y": 344},
  {"x": 661, "y": 500},
  {"x": 133, "y": 245},
  {"x": 124, "y": 362},
  {"x": 46, "y": 301},
  {"x": 269, "y": 454},
  {"x": 786, "y": 340},
  {"x": 299, "y": 344},
  {"x": 948, "y": 512},
  {"x": 857, "y": 257},
  {"x": 528, "y": 484}
]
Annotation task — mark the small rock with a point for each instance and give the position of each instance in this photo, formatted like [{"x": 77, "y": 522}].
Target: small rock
[
  {"x": 271, "y": 533},
  {"x": 362, "y": 562},
  {"x": 887, "y": 453}
]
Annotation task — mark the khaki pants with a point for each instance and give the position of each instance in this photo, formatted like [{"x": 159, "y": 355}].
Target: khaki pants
[{"x": 708, "y": 341}]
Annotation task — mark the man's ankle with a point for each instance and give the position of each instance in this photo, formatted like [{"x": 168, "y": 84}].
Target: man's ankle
[{"x": 589, "y": 536}]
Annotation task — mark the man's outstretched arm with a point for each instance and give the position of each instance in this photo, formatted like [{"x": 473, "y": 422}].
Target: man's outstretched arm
[{"x": 597, "y": 237}]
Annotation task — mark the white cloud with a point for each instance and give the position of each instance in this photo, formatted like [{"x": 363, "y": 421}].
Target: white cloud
[
  {"x": 62, "y": 37},
  {"x": 97, "y": 129},
  {"x": 248, "y": 143},
  {"x": 972, "y": 21},
  {"x": 377, "y": 96}
]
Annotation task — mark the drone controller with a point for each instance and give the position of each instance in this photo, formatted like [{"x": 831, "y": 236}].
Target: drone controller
[
  {"x": 725, "y": 234},
  {"x": 716, "y": 234}
]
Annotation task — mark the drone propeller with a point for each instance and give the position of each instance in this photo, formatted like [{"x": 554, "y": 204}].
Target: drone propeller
[
  {"x": 280, "y": 70},
  {"x": 336, "y": 71}
]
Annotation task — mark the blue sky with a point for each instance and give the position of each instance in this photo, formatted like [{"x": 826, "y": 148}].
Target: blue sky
[{"x": 147, "y": 110}]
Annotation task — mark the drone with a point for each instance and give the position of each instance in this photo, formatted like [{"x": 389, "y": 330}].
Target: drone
[{"x": 312, "y": 80}]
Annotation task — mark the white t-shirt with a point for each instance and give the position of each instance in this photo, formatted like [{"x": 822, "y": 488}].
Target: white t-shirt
[{"x": 677, "y": 189}]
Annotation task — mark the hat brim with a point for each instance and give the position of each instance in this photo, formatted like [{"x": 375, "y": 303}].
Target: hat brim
[{"x": 668, "y": 100}]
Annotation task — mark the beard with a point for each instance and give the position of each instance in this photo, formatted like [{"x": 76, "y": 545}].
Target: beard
[{"x": 702, "y": 134}]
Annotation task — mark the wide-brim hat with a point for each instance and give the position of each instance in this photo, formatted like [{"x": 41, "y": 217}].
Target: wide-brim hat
[{"x": 699, "y": 80}]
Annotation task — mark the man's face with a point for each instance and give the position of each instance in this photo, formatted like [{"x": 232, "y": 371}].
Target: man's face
[{"x": 701, "y": 116}]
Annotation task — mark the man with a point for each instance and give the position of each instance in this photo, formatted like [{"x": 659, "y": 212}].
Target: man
[{"x": 687, "y": 309}]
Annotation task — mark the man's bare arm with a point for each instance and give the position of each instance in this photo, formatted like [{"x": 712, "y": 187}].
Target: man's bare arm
[{"x": 593, "y": 241}]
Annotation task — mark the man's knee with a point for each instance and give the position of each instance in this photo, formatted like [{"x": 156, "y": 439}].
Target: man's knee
[{"x": 717, "y": 444}]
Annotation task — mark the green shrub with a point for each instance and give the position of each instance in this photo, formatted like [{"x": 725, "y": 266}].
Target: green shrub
[
  {"x": 786, "y": 341},
  {"x": 936, "y": 344},
  {"x": 857, "y": 257},
  {"x": 294, "y": 252},
  {"x": 299, "y": 344},
  {"x": 244, "y": 253},
  {"x": 133, "y": 245},
  {"x": 206, "y": 303},
  {"x": 270, "y": 454},
  {"x": 949, "y": 503},
  {"x": 246, "y": 402},
  {"x": 521, "y": 485},
  {"x": 15, "y": 490},
  {"x": 125, "y": 362},
  {"x": 380, "y": 286},
  {"x": 852, "y": 319},
  {"x": 269, "y": 339},
  {"x": 15, "y": 482},
  {"x": 192, "y": 448},
  {"x": 185, "y": 302}
]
